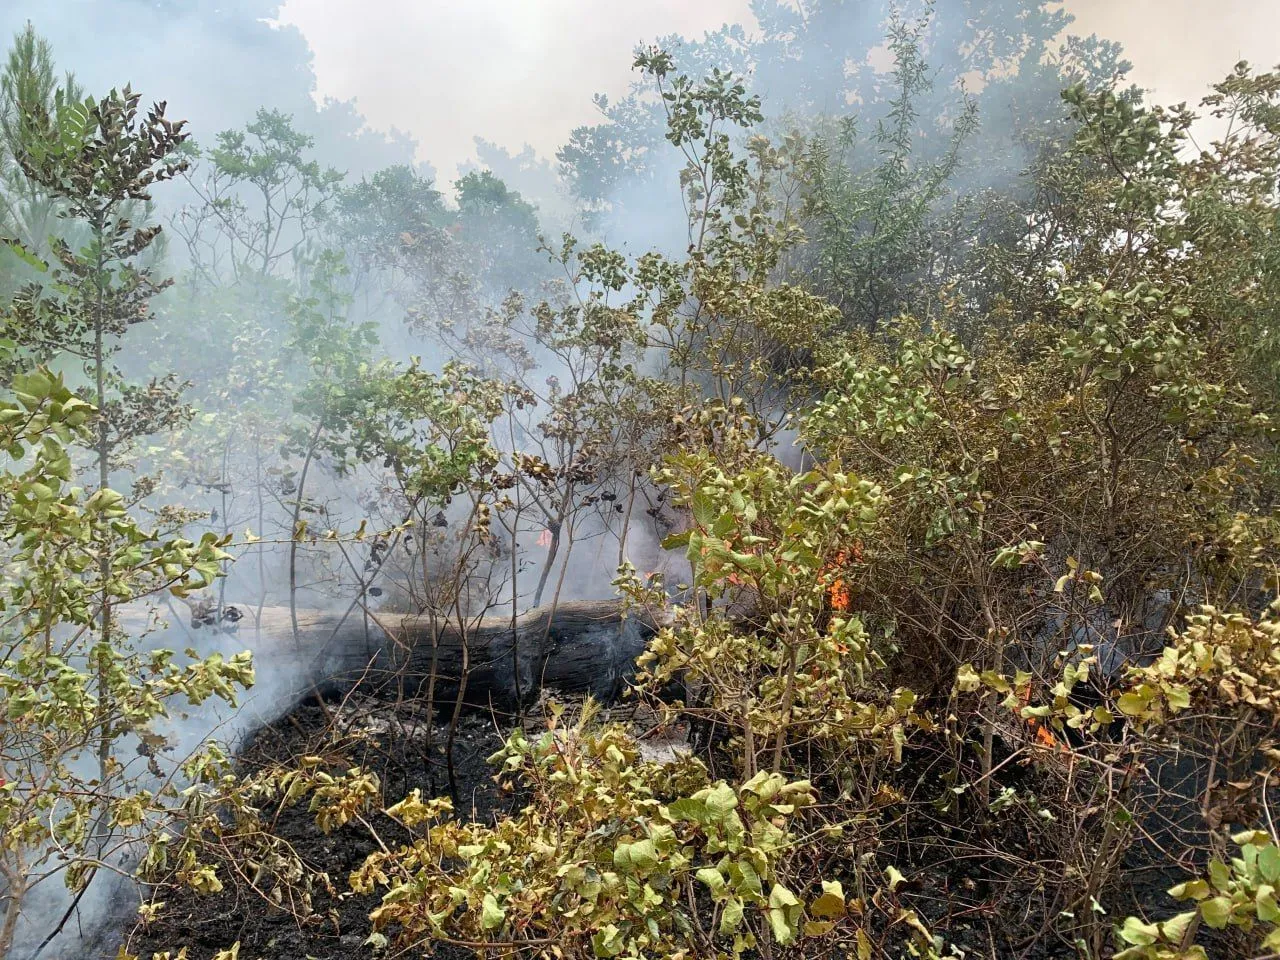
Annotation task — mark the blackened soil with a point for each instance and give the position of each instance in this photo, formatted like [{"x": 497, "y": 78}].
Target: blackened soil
[
  {"x": 392, "y": 742},
  {"x": 992, "y": 887}
]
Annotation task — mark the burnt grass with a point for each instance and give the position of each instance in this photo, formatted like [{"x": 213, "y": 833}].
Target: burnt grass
[
  {"x": 339, "y": 925},
  {"x": 970, "y": 885}
]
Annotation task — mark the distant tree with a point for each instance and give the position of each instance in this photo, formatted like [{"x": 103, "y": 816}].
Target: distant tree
[
  {"x": 501, "y": 230},
  {"x": 878, "y": 215},
  {"x": 263, "y": 197},
  {"x": 28, "y": 214},
  {"x": 371, "y": 220},
  {"x": 532, "y": 175},
  {"x": 370, "y": 216},
  {"x": 819, "y": 62}
]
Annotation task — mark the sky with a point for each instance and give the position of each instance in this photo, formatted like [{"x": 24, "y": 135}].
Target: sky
[{"x": 523, "y": 71}]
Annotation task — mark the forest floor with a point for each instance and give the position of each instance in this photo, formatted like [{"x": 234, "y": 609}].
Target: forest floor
[
  {"x": 405, "y": 750},
  {"x": 962, "y": 883}
]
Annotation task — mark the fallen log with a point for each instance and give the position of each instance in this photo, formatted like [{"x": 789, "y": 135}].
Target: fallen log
[{"x": 584, "y": 647}]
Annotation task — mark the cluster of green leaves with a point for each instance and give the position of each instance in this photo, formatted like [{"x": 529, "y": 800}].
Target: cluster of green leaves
[
  {"x": 612, "y": 856},
  {"x": 1045, "y": 479},
  {"x": 796, "y": 671},
  {"x": 70, "y": 695},
  {"x": 874, "y": 226},
  {"x": 1240, "y": 895},
  {"x": 1072, "y": 416}
]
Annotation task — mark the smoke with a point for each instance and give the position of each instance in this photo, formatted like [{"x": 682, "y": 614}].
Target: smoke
[
  {"x": 513, "y": 73},
  {"x": 215, "y": 64},
  {"x": 1180, "y": 47},
  {"x": 507, "y": 88}
]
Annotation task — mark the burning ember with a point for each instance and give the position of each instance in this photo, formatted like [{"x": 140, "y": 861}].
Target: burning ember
[{"x": 839, "y": 592}]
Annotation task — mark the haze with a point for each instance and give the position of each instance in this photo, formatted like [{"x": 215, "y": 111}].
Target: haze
[{"x": 517, "y": 72}]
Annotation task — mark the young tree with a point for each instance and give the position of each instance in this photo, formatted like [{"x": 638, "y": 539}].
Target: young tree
[
  {"x": 262, "y": 197},
  {"x": 99, "y": 159},
  {"x": 73, "y": 687}
]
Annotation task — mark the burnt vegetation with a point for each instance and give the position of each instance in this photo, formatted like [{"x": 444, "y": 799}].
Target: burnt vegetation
[{"x": 858, "y": 539}]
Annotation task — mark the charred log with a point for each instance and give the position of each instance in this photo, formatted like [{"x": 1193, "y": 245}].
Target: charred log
[{"x": 581, "y": 647}]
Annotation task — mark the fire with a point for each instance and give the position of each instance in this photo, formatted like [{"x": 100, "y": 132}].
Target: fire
[
  {"x": 841, "y": 599},
  {"x": 1039, "y": 730},
  {"x": 839, "y": 593},
  {"x": 1043, "y": 734},
  {"x": 544, "y": 538}
]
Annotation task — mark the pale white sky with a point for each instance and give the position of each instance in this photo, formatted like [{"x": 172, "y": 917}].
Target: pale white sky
[{"x": 523, "y": 71}]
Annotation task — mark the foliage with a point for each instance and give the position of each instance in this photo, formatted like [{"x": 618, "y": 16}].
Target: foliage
[
  {"x": 71, "y": 696},
  {"x": 875, "y": 228},
  {"x": 262, "y": 197},
  {"x": 1241, "y": 894},
  {"x": 806, "y": 674},
  {"x": 955, "y": 498},
  {"x": 609, "y": 858},
  {"x": 27, "y": 212}
]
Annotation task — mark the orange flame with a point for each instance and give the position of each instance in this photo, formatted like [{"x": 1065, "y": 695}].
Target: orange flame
[
  {"x": 1040, "y": 730},
  {"x": 839, "y": 593}
]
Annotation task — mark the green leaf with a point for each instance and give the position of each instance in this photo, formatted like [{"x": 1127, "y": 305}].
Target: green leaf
[
  {"x": 831, "y": 903},
  {"x": 1216, "y": 912},
  {"x": 818, "y": 928},
  {"x": 704, "y": 508},
  {"x": 1264, "y": 902},
  {"x": 1140, "y": 934},
  {"x": 1175, "y": 928},
  {"x": 721, "y": 801},
  {"x": 1191, "y": 890},
  {"x": 1179, "y": 697},
  {"x": 25, "y": 255},
  {"x": 492, "y": 916},
  {"x": 784, "y": 914},
  {"x": 1134, "y": 703},
  {"x": 689, "y": 808},
  {"x": 967, "y": 679},
  {"x": 676, "y": 540},
  {"x": 608, "y": 941},
  {"x": 640, "y": 857},
  {"x": 1269, "y": 863},
  {"x": 1219, "y": 876},
  {"x": 731, "y": 919},
  {"x": 713, "y": 879}
]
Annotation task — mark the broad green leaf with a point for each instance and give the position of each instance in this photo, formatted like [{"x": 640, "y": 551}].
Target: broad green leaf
[
  {"x": 831, "y": 903},
  {"x": 492, "y": 915},
  {"x": 1135, "y": 932},
  {"x": 713, "y": 879},
  {"x": 1176, "y": 927},
  {"x": 1216, "y": 912},
  {"x": 784, "y": 914},
  {"x": 731, "y": 918},
  {"x": 1269, "y": 863},
  {"x": 1191, "y": 890},
  {"x": 1264, "y": 902}
]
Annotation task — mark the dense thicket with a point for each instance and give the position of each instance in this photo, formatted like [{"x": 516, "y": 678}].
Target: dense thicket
[{"x": 933, "y": 443}]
